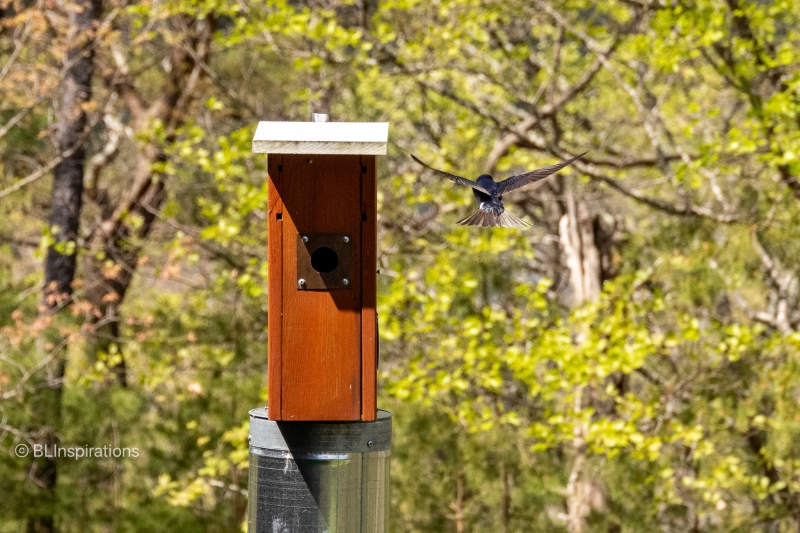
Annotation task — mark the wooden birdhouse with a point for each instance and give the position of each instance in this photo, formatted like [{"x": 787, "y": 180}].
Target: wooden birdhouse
[{"x": 322, "y": 254}]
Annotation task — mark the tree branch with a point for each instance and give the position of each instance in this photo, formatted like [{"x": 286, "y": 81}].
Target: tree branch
[{"x": 656, "y": 203}]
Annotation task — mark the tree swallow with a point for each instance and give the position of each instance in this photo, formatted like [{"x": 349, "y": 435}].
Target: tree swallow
[{"x": 489, "y": 195}]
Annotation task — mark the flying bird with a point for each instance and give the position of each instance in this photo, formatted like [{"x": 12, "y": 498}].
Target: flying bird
[{"x": 489, "y": 194}]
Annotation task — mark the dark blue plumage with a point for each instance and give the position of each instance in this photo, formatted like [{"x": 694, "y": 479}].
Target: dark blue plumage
[{"x": 489, "y": 194}]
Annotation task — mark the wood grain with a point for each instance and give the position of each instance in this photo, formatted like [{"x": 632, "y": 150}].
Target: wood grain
[
  {"x": 321, "y": 331},
  {"x": 274, "y": 285},
  {"x": 369, "y": 341}
]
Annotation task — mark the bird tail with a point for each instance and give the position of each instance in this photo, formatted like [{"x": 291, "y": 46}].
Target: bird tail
[{"x": 483, "y": 219}]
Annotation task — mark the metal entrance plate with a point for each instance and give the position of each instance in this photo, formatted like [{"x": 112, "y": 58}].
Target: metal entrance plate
[{"x": 325, "y": 261}]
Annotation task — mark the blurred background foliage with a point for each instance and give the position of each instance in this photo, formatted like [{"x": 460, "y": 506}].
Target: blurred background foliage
[{"x": 629, "y": 363}]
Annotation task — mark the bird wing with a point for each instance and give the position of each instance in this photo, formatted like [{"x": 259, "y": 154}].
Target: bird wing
[
  {"x": 453, "y": 177},
  {"x": 515, "y": 182}
]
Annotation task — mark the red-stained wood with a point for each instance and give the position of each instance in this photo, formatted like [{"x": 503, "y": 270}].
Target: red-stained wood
[
  {"x": 369, "y": 341},
  {"x": 321, "y": 333},
  {"x": 274, "y": 284},
  {"x": 322, "y": 343}
]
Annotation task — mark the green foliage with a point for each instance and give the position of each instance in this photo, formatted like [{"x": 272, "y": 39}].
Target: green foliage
[{"x": 675, "y": 390}]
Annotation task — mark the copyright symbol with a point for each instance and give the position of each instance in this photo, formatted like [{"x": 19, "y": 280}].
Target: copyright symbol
[{"x": 22, "y": 450}]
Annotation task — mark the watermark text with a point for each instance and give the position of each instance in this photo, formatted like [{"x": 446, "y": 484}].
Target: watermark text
[{"x": 75, "y": 452}]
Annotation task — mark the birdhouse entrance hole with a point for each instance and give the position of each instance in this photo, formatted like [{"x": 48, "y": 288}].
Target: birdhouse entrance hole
[{"x": 324, "y": 260}]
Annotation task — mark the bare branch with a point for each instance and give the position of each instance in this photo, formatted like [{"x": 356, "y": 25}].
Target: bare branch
[
  {"x": 124, "y": 84},
  {"x": 18, "y": 46},
  {"x": 16, "y": 118},
  {"x": 27, "y": 180},
  {"x": 101, "y": 159},
  {"x": 656, "y": 203},
  {"x": 778, "y": 274},
  {"x": 213, "y": 76},
  {"x": 786, "y": 287},
  {"x": 517, "y": 135}
]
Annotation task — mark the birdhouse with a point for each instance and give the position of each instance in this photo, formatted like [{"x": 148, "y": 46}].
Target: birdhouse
[{"x": 322, "y": 255}]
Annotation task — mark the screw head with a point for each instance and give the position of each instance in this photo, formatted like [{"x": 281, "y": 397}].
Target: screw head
[
  {"x": 346, "y": 239},
  {"x": 346, "y": 281},
  {"x": 301, "y": 282},
  {"x": 305, "y": 238},
  {"x": 370, "y": 444}
]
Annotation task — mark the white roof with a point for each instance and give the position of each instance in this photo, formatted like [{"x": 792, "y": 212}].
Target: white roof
[{"x": 360, "y": 138}]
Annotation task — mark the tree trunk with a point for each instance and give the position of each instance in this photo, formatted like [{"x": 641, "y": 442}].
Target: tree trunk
[
  {"x": 576, "y": 232},
  {"x": 577, "y": 502},
  {"x": 507, "y": 486},
  {"x": 70, "y": 133},
  {"x": 583, "y": 258},
  {"x": 459, "y": 515},
  {"x": 64, "y": 221}
]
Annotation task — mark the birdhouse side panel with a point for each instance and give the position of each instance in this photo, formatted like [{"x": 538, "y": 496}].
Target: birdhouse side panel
[
  {"x": 274, "y": 284},
  {"x": 369, "y": 263}
]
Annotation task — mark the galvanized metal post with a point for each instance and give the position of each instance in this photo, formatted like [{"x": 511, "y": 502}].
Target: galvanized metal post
[{"x": 319, "y": 477}]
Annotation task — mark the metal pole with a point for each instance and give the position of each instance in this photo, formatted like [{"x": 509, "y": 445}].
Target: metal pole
[{"x": 319, "y": 477}]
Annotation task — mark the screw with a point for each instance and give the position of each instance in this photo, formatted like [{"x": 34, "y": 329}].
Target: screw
[
  {"x": 370, "y": 443},
  {"x": 346, "y": 239},
  {"x": 305, "y": 238},
  {"x": 346, "y": 281},
  {"x": 302, "y": 282}
]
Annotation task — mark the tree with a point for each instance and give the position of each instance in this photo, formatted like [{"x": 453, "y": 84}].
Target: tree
[
  {"x": 66, "y": 200},
  {"x": 647, "y": 323},
  {"x": 126, "y": 218}
]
